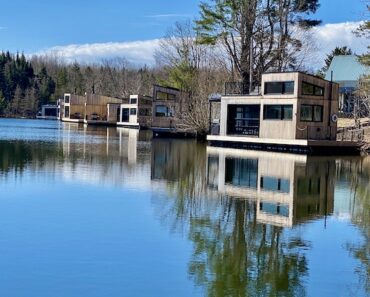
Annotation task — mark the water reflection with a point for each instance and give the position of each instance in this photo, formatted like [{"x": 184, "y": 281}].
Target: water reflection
[
  {"x": 287, "y": 189},
  {"x": 243, "y": 216},
  {"x": 253, "y": 221}
]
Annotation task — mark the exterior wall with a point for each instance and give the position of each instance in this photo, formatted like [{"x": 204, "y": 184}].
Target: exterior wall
[
  {"x": 112, "y": 112},
  {"x": 327, "y": 129},
  {"x": 91, "y": 107}
]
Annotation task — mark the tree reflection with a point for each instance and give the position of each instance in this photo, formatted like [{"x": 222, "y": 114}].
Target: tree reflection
[
  {"x": 357, "y": 172},
  {"x": 233, "y": 254}
]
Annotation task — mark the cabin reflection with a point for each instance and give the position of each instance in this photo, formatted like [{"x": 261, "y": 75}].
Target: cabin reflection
[
  {"x": 104, "y": 142},
  {"x": 288, "y": 189}
]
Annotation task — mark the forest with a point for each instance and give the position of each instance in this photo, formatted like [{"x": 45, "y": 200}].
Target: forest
[{"x": 197, "y": 57}]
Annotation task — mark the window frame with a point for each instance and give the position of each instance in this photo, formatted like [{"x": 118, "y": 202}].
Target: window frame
[
  {"x": 282, "y": 112},
  {"x": 133, "y": 100},
  {"x": 283, "y": 87},
  {"x": 168, "y": 112},
  {"x": 312, "y": 106},
  {"x": 315, "y": 87},
  {"x": 133, "y": 111}
]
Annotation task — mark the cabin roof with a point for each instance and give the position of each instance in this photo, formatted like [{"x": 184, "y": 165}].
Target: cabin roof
[{"x": 346, "y": 68}]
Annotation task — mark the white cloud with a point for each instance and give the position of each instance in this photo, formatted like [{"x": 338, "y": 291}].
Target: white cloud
[
  {"x": 330, "y": 36},
  {"x": 327, "y": 37},
  {"x": 135, "y": 52}
]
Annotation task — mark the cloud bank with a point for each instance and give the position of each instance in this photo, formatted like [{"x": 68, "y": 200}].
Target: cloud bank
[{"x": 327, "y": 37}]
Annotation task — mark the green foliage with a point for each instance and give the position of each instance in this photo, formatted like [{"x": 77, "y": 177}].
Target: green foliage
[
  {"x": 338, "y": 51},
  {"x": 18, "y": 82},
  {"x": 265, "y": 26}
]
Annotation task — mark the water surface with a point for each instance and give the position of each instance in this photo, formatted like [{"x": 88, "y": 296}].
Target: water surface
[{"x": 108, "y": 212}]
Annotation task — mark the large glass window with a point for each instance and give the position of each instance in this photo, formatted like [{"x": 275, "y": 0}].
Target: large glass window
[
  {"x": 243, "y": 119},
  {"x": 311, "y": 113},
  {"x": 312, "y": 90},
  {"x": 162, "y": 111},
  {"x": 278, "y": 112},
  {"x": 276, "y": 87}
]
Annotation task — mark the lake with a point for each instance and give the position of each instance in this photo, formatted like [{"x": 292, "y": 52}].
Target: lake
[{"x": 94, "y": 211}]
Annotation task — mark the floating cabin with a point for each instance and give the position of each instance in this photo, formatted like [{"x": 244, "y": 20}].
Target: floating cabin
[
  {"x": 137, "y": 113},
  {"x": 288, "y": 188},
  {"x": 291, "y": 111},
  {"x": 91, "y": 109},
  {"x": 48, "y": 112},
  {"x": 168, "y": 106}
]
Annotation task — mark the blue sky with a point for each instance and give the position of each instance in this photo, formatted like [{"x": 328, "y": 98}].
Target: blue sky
[{"x": 39, "y": 25}]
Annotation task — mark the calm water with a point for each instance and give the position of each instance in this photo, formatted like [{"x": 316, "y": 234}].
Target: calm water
[{"x": 108, "y": 212}]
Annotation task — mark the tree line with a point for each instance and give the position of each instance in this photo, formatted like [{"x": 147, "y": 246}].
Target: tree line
[{"x": 231, "y": 40}]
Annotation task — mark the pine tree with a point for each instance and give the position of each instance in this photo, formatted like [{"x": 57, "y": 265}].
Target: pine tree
[{"x": 338, "y": 51}]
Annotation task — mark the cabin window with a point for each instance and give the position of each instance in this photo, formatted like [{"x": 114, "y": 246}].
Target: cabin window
[
  {"x": 278, "y": 87},
  {"x": 162, "y": 111},
  {"x": 243, "y": 119},
  {"x": 312, "y": 113},
  {"x": 165, "y": 96},
  {"x": 278, "y": 112},
  {"x": 66, "y": 99},
  {"x": 133, "y": 101},
  {"x": 132, "y": 111},
  {"x": 312, "y": 90}
]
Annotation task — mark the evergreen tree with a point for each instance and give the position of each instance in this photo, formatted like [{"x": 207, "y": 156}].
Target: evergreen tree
[
  {"x": 257, "y": 34},
  {"x": 338, "y": 51}
]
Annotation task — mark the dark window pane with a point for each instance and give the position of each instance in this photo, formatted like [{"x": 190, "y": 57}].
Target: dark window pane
[
  {"x": 306, "y": 113},
  {"x": 307, "y": 89},
  {"x": 243, "y": 119},
  {"x": 289, "y": 87},
  {"x": 287, "y": 112},
  {"x": 66, "y": 99},
  {"x": 273, "y": 88},
  {"x": 318, "y": 113},
  {"x": 133, "y": 101},
  {"x": 133, "y": 111},
  {"x": 273, "y": 112},
  {"x": 162, "y": 111},
  {"x": 278, "y": 112},
  {"x": 319, "y": 91},
  {"x": 66, "y": 112}
]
